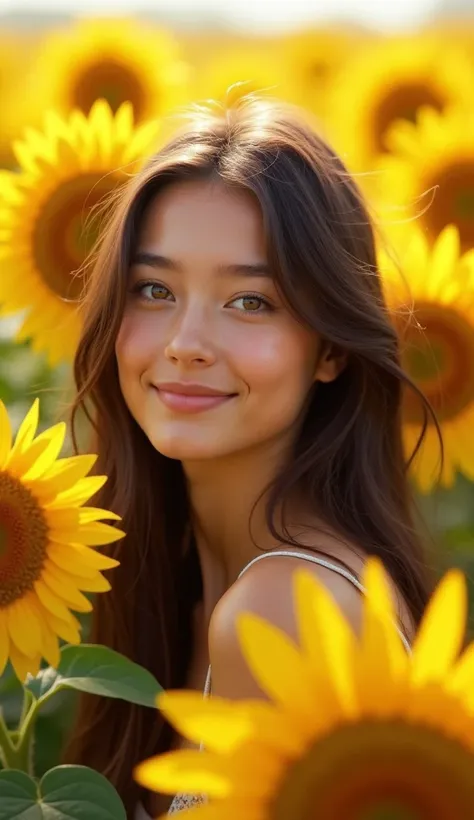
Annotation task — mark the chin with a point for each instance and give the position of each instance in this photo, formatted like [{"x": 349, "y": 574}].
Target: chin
[{"x": 183, "y": 449}]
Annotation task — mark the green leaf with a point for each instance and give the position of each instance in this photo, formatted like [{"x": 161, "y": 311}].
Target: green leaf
[
  {"x": 99, "y": 671},
  {"x": 64, "y": 793}
]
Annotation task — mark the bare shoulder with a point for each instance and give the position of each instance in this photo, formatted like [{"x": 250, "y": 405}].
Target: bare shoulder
[{"x": 266, "y": 589}]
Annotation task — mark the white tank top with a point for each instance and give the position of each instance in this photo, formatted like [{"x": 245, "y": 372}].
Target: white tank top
[{"x": 183, "y": 801}]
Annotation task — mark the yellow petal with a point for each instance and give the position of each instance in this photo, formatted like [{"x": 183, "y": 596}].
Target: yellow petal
[
  {"x": 51, "y": 601},
  {"x": 277, "y": 665},
  {"x": 26, "y": 459},
  {"x": 65, "y": 473},
  {"x": 50, "y": 647},
  {"x": 66, "y": 592},
  {"x": 5, "y": 435},
  {"x": 95, "y": 582},
  {"x": 79, "y": 494},
  {"x": 462, "y": 678},
  {"x": 26, "y": 431},
  {"x": 186, "y": 771},
  {"x": 382, "y": 661},
  {"x": 216, "y": 722},
  {"x": 276, "y": 729},
  {"x": 89, "y": 514},
  {"x": 64, "y": 629},
  {"x": 4, "y": 641},
  {"x": 22, "y": 665},
  {"x": 328, "y": 642},
  {"x": 82, "y": 557},
  {"x": 55, "y": 440},
  {"x": 92, "y": 535},
  {"x": 24, "y": 628},
  {"x": 442, "y": 630}
]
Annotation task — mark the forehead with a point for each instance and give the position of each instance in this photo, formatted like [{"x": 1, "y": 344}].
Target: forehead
[{"x": 205, "y": 216}]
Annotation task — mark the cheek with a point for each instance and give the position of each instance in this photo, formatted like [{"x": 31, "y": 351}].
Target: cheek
[
  {"x": 135, "y": 345},
  {"x": 278, "y": 358}
]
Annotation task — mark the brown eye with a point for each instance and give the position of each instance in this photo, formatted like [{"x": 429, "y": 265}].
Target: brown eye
[
  {"x": 158, "y": 291},
  {"x": 251, "y": 303},
  {"x": 153, "y": 292}
]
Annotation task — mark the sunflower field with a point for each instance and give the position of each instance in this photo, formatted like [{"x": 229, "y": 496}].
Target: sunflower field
[{"x": 82, "y": 104}]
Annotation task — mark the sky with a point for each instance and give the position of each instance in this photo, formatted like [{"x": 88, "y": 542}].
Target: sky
[{"x": 254, "y": 14}]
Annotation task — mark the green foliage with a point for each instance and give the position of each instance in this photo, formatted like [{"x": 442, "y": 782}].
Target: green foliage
[
  {"x": 99, "y": 671},
  {"x": 64, "y": 793}
]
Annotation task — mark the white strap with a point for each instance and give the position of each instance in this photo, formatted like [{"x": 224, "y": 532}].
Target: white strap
[{"x": 314, "y": 559}]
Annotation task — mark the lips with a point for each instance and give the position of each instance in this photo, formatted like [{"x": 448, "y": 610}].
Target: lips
[{"x": 191, "y": 398}]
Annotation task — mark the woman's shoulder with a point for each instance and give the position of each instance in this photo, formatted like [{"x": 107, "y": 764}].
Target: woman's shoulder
[{"x": 266, "y": 589}]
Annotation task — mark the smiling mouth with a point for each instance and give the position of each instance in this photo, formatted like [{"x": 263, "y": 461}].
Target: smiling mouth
[{"x": 191, "y": 402}]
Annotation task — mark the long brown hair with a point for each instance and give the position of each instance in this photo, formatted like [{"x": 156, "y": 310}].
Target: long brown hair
[{"x": 348, "y": 461}]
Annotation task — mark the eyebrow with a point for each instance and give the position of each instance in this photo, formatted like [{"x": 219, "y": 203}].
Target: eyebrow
[{"x": 156, "y": 260}]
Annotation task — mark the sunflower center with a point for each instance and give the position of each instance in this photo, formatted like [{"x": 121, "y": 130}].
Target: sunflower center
[
  {"x": 453, "y": 202},
  {"x": 113, "y": 81},
  {"x": 379, "y": 771},
  {"x": 439, "y": 357},
  {"x": 65, "y": 232},
  {"x": 402, "y": 102},
  {"x": 23, "y": 539}
]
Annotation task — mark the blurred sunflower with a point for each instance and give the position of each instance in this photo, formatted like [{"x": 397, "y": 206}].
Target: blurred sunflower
[
  {"x": 355, "y": 728},
  {"x": 66, "y": 171},
  {"x": 390, "y": 80},
  {"x": 46, "y": 535},
  {"x": 436, "y": 285},
  {"x": 249, "y": 68},
  {"x": 15, "y": 106},
  {"x": 430, "y": 171},
  {"x": 116, "y": 59},
  {"x": 312, "y": 56}
]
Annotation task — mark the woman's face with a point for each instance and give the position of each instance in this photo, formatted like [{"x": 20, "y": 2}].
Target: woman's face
[{"x": 211, "y": 362}]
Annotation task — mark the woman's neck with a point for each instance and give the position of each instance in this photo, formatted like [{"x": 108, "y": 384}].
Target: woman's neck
[{"x": 226, "y": 497}]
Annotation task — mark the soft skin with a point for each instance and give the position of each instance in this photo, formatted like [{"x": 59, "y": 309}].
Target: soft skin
[{"x": 197, "y": 324}]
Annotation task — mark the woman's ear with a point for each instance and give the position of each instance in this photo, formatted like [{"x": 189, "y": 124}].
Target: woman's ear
[{"x": 332, "y": 361}]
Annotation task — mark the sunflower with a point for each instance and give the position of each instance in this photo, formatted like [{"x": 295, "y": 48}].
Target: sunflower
[
  {"x": 357, "y": 728},
  {"x": 437, "y": 347},
  {"x": 430, "y": 171},
  {"x": 116, "y": 59},
  {"x": 45, "y": 211},
  {"x": 248, "y": 68},
  {"x": 390, "y": 80},
  {"x": 15, "y": 105},
  {"x": 312, "y": 56},
  {"x": 46, "y": 535}
]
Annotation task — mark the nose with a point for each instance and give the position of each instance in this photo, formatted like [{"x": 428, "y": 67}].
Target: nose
[{"x": 190, "y": 342}]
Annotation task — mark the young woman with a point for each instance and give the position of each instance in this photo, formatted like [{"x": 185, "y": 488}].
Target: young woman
[{"x": 243, "y": 380}]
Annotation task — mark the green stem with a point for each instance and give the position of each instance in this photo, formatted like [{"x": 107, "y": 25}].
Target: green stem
[
  {"x": 7, "y": 750},
  {"x": 16, "y": 747},
  {"x": 24, "y": 747}
]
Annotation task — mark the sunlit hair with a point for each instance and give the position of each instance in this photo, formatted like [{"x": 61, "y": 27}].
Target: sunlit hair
[{"x": 348, "y": 461}]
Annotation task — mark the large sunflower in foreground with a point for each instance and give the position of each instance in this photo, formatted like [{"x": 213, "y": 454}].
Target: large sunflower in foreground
[
  {"x": 46, "y": 232},
  {"x": 357, "y": 729},
  {"x": 431, "y": 293},
  {"x": 390, "y": 80},
  {"x": 117, "y": 59},
  {"x": 430, "y": 170},
  {"x": 46, "y": 535}
]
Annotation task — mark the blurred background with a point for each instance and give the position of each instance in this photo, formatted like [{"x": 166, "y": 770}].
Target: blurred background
[{"x": 391, "y": 86}]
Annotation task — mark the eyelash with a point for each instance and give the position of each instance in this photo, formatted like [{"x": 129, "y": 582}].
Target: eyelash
[{"x": 139, "y": 287}]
